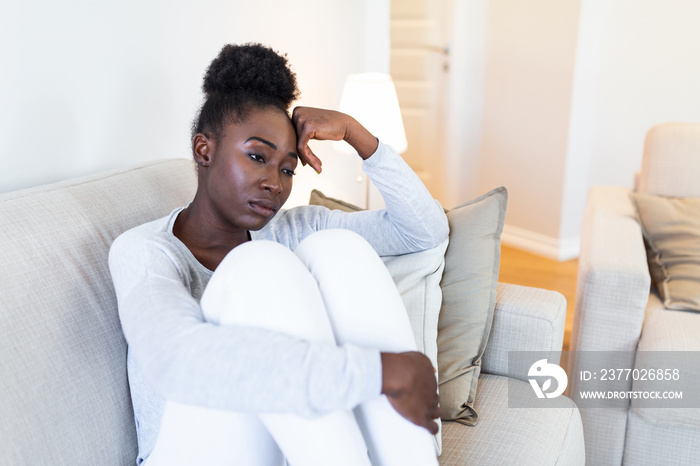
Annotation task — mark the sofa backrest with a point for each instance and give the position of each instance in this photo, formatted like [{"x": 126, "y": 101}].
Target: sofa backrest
[
  {"x": 64, "y": 396},
  {"x": 671, "y": 162}
]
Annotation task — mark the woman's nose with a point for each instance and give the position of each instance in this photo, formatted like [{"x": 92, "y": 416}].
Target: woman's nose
[{"x": 271, "y": 182}]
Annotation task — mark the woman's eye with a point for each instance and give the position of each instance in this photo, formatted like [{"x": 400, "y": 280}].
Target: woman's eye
[
  {"x": 289, "y": 172},
  {"x": 256, "y": 157}
]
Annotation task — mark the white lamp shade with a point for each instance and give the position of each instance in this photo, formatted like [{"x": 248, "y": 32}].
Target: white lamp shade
[{"x": 371, "y": 99}]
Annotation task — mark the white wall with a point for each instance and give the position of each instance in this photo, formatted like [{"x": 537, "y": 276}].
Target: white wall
[
  {"x": 638, "y": 64},
  {"x": 529, "y": 69},
  {"x": 87, "y": 86}
]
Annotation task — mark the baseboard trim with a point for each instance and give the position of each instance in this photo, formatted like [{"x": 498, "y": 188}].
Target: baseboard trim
[{"x": 553, "y": 248}]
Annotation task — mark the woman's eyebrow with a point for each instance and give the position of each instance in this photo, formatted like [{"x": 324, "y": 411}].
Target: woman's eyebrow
[{"x": 264, "y": 141}]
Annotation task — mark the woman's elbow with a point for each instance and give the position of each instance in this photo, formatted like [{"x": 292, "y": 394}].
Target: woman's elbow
[
  {"x": 442, "y": 229},
  {"x": 439, "y": 229}
]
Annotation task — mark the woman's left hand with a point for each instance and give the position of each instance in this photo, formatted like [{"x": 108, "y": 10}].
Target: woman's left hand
[{"x": 317, "y": 123}]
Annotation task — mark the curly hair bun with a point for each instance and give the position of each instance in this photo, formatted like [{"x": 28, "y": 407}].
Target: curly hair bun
[{"x": 252, "y": 71}]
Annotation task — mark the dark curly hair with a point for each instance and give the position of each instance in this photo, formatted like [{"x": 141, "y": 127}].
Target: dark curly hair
[{"x": 240, "y": 78}]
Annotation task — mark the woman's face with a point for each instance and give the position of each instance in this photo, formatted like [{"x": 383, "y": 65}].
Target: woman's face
[{"x": 249, "y": 174}]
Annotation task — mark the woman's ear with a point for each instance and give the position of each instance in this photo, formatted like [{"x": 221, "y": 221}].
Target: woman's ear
[{"x": 202, "y": 149}]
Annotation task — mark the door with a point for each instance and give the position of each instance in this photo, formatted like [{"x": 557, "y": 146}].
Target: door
[{"x": 419, "y": 67}]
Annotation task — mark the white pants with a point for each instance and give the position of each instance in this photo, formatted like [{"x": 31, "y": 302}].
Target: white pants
[{"x": 334, "y": 287}]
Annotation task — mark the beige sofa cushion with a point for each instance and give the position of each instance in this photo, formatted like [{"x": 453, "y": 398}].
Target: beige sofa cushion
[
  {"x": 671, "y": 165},
  {"x": 64, "y": 397},
  {"x": 468, "y": 300},
  {"x": 318, "y": 198},
  {"x": 671, "y": 228},
  {"x": 668, "y": 342},
  {"x": 518, "y": 436}
]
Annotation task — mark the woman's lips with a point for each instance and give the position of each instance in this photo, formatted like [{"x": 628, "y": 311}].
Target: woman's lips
[{"x": 263, "y": 208}]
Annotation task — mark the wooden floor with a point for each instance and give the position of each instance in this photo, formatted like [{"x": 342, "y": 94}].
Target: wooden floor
[{"x": 522, "y": 268}]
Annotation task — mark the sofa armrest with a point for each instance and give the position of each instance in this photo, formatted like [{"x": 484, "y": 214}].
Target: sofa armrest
[
  {"x": 613, "y": 285},
  {"x": 525, "y": 319},
  {"x": 613, "y": 276},
  {"x": 611, "y": 296}
]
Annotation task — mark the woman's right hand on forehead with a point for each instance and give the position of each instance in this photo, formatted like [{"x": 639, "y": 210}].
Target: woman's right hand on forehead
[{"x": 321, "y": 124}]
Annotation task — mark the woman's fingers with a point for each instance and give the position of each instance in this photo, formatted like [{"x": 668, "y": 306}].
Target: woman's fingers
[
  {"x": 306, "y": 155},
  {"x": 313, "y": 123}
]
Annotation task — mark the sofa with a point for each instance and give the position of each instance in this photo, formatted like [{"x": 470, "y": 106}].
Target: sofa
[
  {"x": 64, "y": 395},
  {"x": 622, "y": 317}
]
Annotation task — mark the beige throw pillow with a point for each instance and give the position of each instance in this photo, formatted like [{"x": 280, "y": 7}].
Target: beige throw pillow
[
  {"x": 468, "y": 300},
  {"x": 318, "y": 198},
  {"x": 671, "y": 229}
]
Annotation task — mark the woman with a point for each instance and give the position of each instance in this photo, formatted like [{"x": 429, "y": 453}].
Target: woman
[{"x": 244, "y": 352}]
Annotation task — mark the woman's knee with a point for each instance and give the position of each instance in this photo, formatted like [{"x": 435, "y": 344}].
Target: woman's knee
[
  {"x": 255, "y": 259},
  {"x": 256, "y": 267},
  {"x": 337, "y": 247},
  {"x": 361, "y": 298},
  {"x": 264, "y": 284}
]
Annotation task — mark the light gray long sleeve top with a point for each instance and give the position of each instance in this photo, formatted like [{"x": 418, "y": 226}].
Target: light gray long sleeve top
[{"x": 175, "y": 355}]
